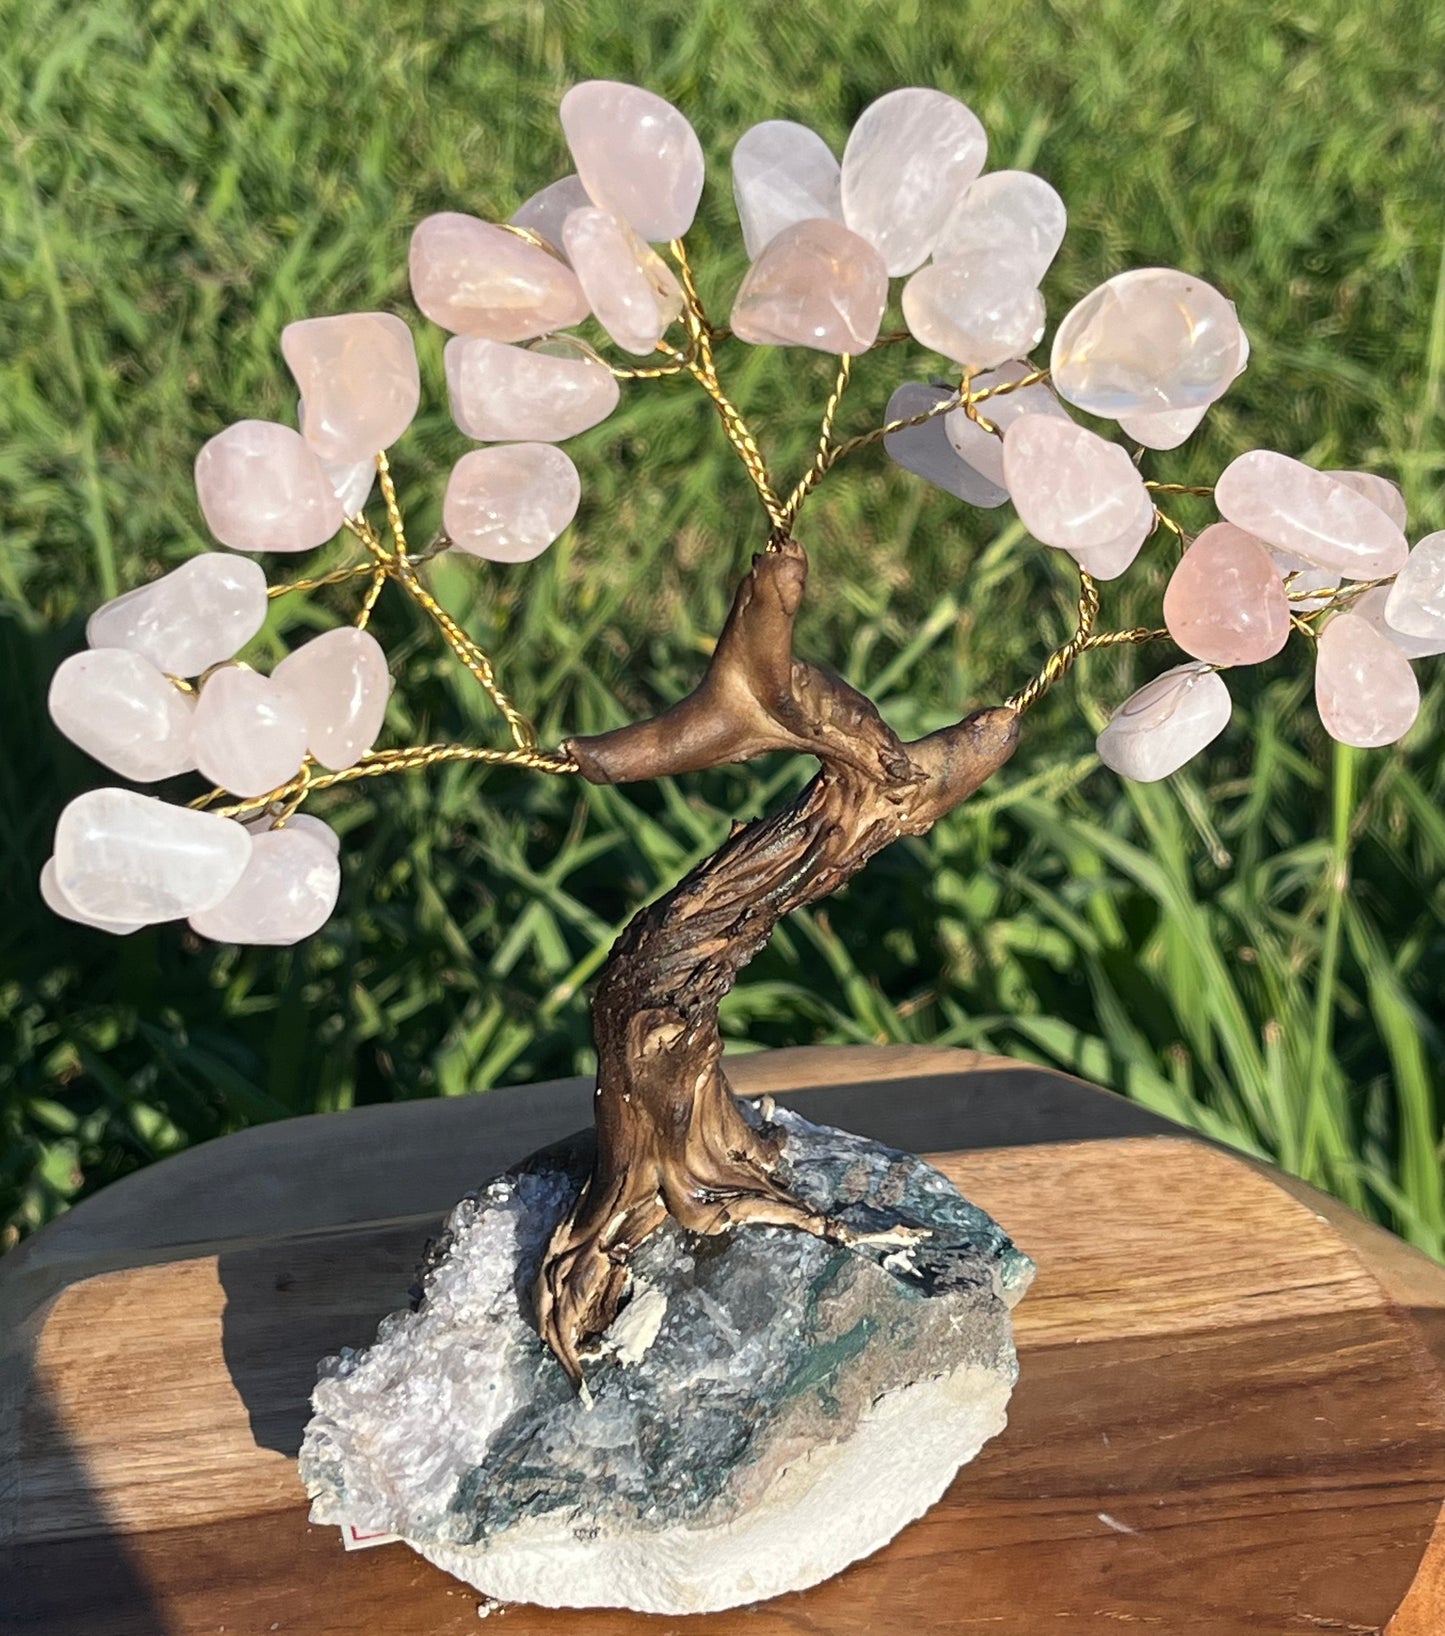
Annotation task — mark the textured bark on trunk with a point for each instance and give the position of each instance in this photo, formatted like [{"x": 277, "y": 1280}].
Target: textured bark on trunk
[{"x": 670, "y": 1138}]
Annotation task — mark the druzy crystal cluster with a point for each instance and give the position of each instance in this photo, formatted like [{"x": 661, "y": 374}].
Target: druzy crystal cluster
[{"x": 908, "y": 213}]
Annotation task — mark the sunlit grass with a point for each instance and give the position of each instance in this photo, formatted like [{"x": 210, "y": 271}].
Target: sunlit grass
[{"x": 1257, "y": 949}]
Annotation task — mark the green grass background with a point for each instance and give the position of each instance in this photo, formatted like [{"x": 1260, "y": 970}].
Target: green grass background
[{"x": 1257, "y": 948}]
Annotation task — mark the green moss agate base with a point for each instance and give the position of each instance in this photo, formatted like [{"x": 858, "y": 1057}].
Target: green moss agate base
[{"x": 767, "y": 1407}]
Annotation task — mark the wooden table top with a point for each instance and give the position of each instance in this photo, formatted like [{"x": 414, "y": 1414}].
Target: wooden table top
[{"x": 1230, "y": 1419}]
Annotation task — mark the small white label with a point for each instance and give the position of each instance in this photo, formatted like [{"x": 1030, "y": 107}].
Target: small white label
[{"x": 358, "y": 1539}]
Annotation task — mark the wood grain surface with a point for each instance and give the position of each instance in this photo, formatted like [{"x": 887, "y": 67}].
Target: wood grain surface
[{"x": 1230, "y": 1419}]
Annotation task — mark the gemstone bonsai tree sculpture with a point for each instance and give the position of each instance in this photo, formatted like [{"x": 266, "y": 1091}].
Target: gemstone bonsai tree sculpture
[{"x": 160, "y": 692}]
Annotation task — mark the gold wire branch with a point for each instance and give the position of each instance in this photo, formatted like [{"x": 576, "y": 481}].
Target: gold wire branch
[{"x": 1061, "y": 660}]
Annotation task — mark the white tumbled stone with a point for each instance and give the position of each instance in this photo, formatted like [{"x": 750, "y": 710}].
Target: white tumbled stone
[
  {"x": 1166, "y": 723},
  {"x": 264, "y": 822},
  {"x": 783, "y": 173},
  {"x": 120, "y": 709},
  {"x": 1371, "y": 607},
  {"x": 545, "y": 212},
  {"x": 249, "y": 733},
  {"x": 1012, "y": 214},
  {"x": 1072, "y": 488},
  {"x": 817, "y": 285},
  {"x": 476, "y": 278},
  {"x": 261, "y": 487},
  {"x": 908, "y": 158},
  {"x": 358, "y": 376},
  {"x": 631, "y": 288},
  {"x": 120, "y": 855},
  {"x": 539, "y": 394},
  {"x": 56, "y": 901},
  {"x": 341, "y": 684},
  {"x": 1148, "y": 340},
  {"x": 1416, "y": 603},
  {"x": 189, "y": 619},
  {"x": 1310, "y": 515},
  {"x": 1168, "y": 428},
  {"x": 636, "y": 155},
  {"x": 984, "y": 450},
  {"x": 287, "y": 892},
  {"x": 978, "y": 309},
  {"x": 508, "y": 503}
]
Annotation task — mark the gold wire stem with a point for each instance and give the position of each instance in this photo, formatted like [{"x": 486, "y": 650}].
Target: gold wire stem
[
  {"x": 1201, "y": 489},
  {"x": 1061, "y": 660},
  {"x": 700, "y": 365},
  {"x": 379, "y": 577},
  {"x": 393, "y": 510},
  {"x": 823, "y": 459},
  {"x": 411, "y": 759}
]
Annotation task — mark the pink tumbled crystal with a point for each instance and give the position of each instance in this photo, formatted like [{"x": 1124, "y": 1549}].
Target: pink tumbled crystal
[
  {"x": 1312, "y": 516},
  {"x": 1012, "y": 214},
  {"x": 1379, "y": 491},
  {"x": 910, "y": 155},
  {"x": 1152, "y": 339},
  {"x": 261, "y": 488},
  {"x": 1168, "y": 428},
  {"x": 984, "y": 450},
  {"x": 56, "y": 901},
  {"x": 816, "y": 284},
  {"x": 475, "y": 278},
  {"x": 541, "y": 394},
  {"x": 978, "y": 309},
  {"x": 1166, "y": 723},
  {"x": 120, "y": 709},
  {"x": 508, "y": 503},
  {"x": 189, "y": 619},
  {"x": 1071, "y": 487},
  {"x": 1365, "y": 691},
  {"x": 545, "y": 212},
  {"x": 631, "y": 289},
  {"x": 637, "y": 156},
  {"x": 358, "y": 377},
  {"x": 1109, "y": 560},
  {"x": 120, "y": 855},
  {"x": 287, "y": 891},
  {"x": 341, "y": 684},
  {"x": 782, "y": 173},
  {"x": 1371, "y": 608},
  {"x": 1225, "y": 602},
  {"x": 1416, "y": 604},
  {"x": 249, "y": 733}
]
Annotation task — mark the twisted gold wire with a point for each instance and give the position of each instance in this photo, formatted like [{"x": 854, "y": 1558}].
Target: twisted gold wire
[
  {"x": 1061, "y": 660},
  {"x": 823, "y": 459}
]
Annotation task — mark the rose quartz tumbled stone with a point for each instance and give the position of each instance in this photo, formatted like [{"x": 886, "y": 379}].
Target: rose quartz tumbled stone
[
  {"x": 1371, "y": 608},
  {"x": 783, "y": 173},
  {"x": 358, "y": 377},
  {"x": 1152, "y": 339},
  {"x": 1312, "y": 516},
  {"x": 1166, "y": 723},
  {"x": 475, "y": 278},
  {"x": 264, "y": 822},
  {"x": 984, "y": 450},
  {"x": 1072, "y": 488},
  {"x": 1168, "y": 428},
  {"x": 510, "y": 502},
  {"x": 189, "y": 619},
  {"x": 631, "y": 288},
  {"x": 637, "y": 156},
  {"x": 1109, "y": 560},
  {"x": 543, "y": 394},
  {"x": 56, "y": 901},
  {"x": 1225, "y": 602},
  {"x": 978, "y": 309},
  {"x": 1416, "y": 604},
  {"x": 261, "y": 488},
  {"x": 120, "y": 709},
  {"x": 287, "y": 892},
  {"x": 249, "y": 733},
  {"x": 908, "y": 158},
  {"x": 817, "y": 285},
  {"x": 340, "y": 682},
  {"x": 1379, "y": 490},
  {"x": 120, "y": 855},
  {"x": 1012, "y": 214},
  {"x": 545, "y": 212},
  {"x": 1365, "y": 691}
]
